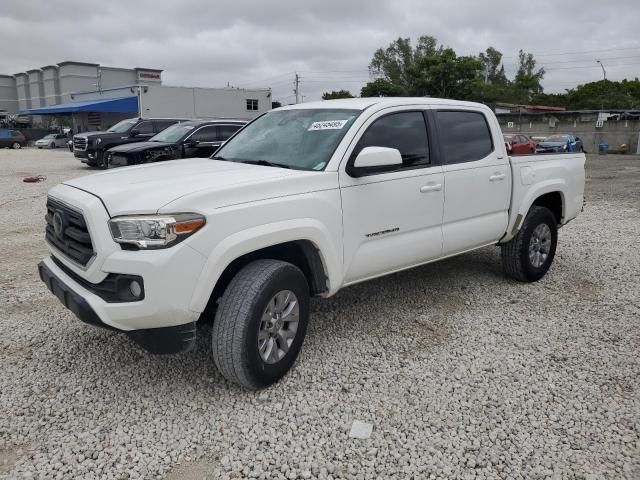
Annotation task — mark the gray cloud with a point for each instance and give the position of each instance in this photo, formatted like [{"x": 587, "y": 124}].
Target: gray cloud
[{"x": 330, "y": 42}]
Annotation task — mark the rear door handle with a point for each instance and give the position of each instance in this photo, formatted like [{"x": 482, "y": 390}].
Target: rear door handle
[
  {"x": 496, "y": 177},
  {"x": 433, "y": 187}
]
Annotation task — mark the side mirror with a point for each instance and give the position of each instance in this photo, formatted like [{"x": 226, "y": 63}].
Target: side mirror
[
  {"x": 192, "y": 143},
  {"x": 378, "y": 157},
  {"x": 135, "y": 133}
]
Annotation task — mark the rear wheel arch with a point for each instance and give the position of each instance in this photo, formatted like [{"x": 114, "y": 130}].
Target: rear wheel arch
[{"x": 554, "y": 201}]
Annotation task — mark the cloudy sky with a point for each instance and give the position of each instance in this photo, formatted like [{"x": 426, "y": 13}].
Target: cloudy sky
[{"x": 328, "y": 42}]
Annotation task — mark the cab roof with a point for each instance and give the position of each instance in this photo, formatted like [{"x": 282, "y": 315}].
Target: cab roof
[{"x": 381, "y": 102}]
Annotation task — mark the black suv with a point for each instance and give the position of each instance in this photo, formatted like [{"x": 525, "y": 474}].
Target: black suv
[
  {"x": 197, "y": 138},
  {"x": 89, "y": 147}
]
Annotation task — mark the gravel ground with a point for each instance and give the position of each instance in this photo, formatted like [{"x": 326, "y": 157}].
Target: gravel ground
[{"x": 462, "y": 372}]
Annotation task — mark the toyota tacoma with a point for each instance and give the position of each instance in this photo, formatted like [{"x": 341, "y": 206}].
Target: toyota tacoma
[{"x": 303, "y": 201}]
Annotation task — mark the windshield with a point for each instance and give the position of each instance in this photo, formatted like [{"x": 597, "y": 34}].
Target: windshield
[
  {"x": 173, "y": 133},
  {"x": 51, "y": 135},
  {"x": 557, "y": 138},
  {"x": 507, "y": 138},
  {"x": 123, "y": 126},
  {"x": 299, "y": 139}
]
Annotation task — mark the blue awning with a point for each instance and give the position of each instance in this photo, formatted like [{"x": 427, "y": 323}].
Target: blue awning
[{"x": 113, "y": 105}]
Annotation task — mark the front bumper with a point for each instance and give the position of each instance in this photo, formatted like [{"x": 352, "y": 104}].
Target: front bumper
[
  {"x": 96, "y": 292},
  {"x": 90, "y": 157},
  {"x": 172, "y": 339}
]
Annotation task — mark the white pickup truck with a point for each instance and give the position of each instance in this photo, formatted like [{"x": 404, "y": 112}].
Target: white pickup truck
[{"x": 303, "y": 201}]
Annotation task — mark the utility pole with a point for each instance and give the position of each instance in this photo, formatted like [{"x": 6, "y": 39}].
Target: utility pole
[
  {"x": 486, "y": 72},
  {"x": 604, "y": 72},
  {"x": 296, "y": 87}
]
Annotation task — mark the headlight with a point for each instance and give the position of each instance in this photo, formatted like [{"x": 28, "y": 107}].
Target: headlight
[{"x": 155, "y": 231}]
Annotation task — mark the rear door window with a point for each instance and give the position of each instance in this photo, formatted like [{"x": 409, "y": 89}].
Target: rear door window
[
  {"x": 464, "y": 136},
  {"x": 225, "y": 131},
  {"x": 144, "y": 127},
  {"x": 206, "y": 134}
]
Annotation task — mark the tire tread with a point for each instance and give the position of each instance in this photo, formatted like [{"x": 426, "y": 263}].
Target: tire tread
[
  {"x": 511, "y": 252},
  {"x": 229, "y": 326}
]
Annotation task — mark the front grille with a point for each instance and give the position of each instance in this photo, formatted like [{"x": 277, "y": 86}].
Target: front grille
[
  {"x": 80, "y": 143},
  {"x": 67, "y": 231}
]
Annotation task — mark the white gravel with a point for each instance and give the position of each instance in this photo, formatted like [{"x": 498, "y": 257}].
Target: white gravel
[{"x": 462, "y": 372}]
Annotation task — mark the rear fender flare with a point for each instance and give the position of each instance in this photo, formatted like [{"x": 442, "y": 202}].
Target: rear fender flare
[{"x": 516, "y": 218}]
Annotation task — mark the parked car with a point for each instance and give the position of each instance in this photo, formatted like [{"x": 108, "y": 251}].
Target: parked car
[
  {"x": 199, "y": 138},
  {"x": 12, "y": 139},
  {"x": 53, "y": 140},
  {"x": 89, "y": 147},
  {"x": 303, "y": 201},
  {"x": 518, "y": 144},
  {"x": 560, "y": 143}
]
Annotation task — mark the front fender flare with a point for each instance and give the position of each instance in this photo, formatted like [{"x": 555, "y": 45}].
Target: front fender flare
[{"x": 263, "y": 236}]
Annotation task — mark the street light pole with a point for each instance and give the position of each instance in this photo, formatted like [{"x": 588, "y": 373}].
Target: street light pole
[{"x": 604, "y": 72}]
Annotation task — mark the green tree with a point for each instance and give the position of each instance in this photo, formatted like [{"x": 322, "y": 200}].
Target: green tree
[
  {"x": 396, "y": 62},
  {"x": 444, "y": 74},
  {"x": 492, "y": 67},
  {"x": 336, "y": 94},
  {"x": 605, "y": 94},
  {"x": 381, "y": 88},
  {"x": 528, "y": 78},
  {"x": 426, "y": 69}
]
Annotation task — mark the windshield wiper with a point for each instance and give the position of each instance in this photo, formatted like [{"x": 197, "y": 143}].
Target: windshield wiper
[{"x": 265, "y": 163}]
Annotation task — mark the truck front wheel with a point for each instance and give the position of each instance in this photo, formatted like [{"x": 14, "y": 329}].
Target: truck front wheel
[
  {"x": 528, "y": 256},
  {"x": 260, "y": 323}
]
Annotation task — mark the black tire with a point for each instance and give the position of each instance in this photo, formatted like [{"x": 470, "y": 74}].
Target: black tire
[
  {"x": 52, "y": 145},
  {"x": 516, "y": 261},
  {"x": 239, "y": 316}
]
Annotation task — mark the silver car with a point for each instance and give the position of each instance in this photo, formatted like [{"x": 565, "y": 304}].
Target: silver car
[{"x": 53, "y": 140}]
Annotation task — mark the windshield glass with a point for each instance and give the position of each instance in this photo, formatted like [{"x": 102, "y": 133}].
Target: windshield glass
[
  {"x": 123, "y": 126},
  {"x": 507, "y": 138},
  {"x": 557, "y": 138},
  {"x": 51, "y": 135},
  {"x": 299, "y": 139},
  {"x": 173, "y": 133}
]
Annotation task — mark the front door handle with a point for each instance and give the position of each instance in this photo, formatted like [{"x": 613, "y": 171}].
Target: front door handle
[
  {"x": 433, "y": 187},
  {"x": 497, "y": 176}
]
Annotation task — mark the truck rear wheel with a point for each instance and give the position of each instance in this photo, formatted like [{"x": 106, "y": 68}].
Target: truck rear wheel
[
  {"x": 528, "y": 256},
  {"x": 260, "y": 323}
]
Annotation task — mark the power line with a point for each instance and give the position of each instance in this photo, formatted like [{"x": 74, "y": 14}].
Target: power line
[
  {"x": 266, "y": 79},
  {"x": 592, "y": 66},
  {"x": 577, "y": 53}
]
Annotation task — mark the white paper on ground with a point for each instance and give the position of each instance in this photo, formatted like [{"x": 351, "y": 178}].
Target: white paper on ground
[{"x": 362, "y": 430}]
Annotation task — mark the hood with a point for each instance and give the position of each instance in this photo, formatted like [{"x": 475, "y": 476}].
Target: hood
[
  {"x": 196, "y": 184},
  {"x": 139, "y": 146},
  {"x": 90, "y": 134}
]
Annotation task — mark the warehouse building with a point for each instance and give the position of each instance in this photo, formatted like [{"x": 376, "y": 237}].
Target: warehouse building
[{"x": 95, "y": 97}]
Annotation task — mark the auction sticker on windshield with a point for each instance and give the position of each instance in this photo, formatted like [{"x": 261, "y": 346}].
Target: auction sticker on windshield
[{"x": 328, "y": 125}]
